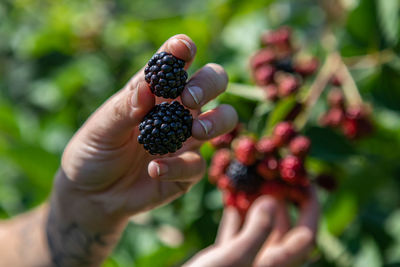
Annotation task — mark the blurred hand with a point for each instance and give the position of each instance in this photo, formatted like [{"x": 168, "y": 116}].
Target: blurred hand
[
  {"x": 266, "y": 238},
  {"x": 105, "y": 163}
]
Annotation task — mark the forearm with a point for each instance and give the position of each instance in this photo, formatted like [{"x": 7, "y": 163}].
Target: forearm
[
  {"x": 73, "y": 229},
  {"x": 23, "y": 240}
]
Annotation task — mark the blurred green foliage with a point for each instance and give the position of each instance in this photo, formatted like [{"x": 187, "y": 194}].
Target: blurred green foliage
[{"x": 59, "y": 60}]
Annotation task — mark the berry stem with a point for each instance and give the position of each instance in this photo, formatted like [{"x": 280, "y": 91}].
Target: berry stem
[
  {"x": 329, "y": 68},
  {"x": 372, "y": 60},
  {"x": 349, "y": 86}
]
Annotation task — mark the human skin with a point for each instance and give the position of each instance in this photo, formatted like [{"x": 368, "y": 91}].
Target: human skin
[
  {"x": 106, "y": 176},
  {"x": 265, "y": 238}
]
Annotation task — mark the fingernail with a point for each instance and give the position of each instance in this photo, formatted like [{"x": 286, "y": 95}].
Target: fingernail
[
  {"x": 161, "y": 168},
  {"x": 197, "y": 94},
  {"x": 187, "y": 44},
  {"x": 207, "y": 126}
]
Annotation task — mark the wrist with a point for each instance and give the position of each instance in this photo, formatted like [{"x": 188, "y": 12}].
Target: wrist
[
  {"x": 93, "y": 209},
  {"x": 80, "y": 229}
]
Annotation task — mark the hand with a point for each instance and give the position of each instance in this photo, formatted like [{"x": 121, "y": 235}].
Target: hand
[
  {"x": 265, "y": 239},
  {"x": 105, "y": 162}
]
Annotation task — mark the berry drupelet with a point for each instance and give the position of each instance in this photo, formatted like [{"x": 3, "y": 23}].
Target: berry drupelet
[
  {"x": 165, "y": 128},
  {"x": 166, "y": 75}
]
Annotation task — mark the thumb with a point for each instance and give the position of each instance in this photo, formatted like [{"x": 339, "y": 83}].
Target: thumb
[{"x": 113, "y": 122}]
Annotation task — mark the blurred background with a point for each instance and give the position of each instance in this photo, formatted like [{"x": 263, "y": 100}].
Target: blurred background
[{"x": 59, "y": 60}]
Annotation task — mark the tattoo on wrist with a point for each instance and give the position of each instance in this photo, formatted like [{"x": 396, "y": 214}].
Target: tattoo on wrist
[{"x": 70, "y": 244}]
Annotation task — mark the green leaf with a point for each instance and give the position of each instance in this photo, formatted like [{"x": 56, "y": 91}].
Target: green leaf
[
  {"x": 280, "y": 112},
  {"x": 328, "y": 145},
  {"x": 388, "y": 16}
]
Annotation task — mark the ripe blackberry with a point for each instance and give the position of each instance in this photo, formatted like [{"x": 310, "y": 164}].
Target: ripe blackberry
[
  {"x": 165, "y": 128},
  {"x": 166, "y": 75},
  {"x": 243, "y": 178},
  {"x": 285, "y": 64}
]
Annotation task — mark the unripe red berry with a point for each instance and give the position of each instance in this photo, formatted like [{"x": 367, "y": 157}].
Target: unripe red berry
[
  {"x": 336, "y": 81},
  {"x": 264, "y": 74},
  {"x": 306, "y": 67},
  {"x": 263, "y": 57},
  {"x": 298, "y": 194},
  {"x": 350, "y": 128},
  {"x": 272, "y": 92},
  {"x": 243, "y": 203},
  {"x": 219, "y": 163},
  {"x": 274, "y": 188},
  {"x": 292, "y": 170},
  {"x": 245, "y": 151},
  {"x": 266, "y": 145},
  {"x": 229, "y": 198},
  {"x": 335, "y": 97},
  {"x": 224, "y": 183},
  {"x": 278, "y": 37},
  {"x": 288, "y": 85},
  {"x": 283, "y": 133},
  {"x": 333, "y": 118},
  {"x": 268, "y": 168},
  {"x": 225, "y": 140},
  {"x": 300, "y": 146}
]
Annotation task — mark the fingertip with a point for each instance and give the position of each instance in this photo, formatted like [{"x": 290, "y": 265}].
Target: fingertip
[
  {"x": 157, "y": 169},
  {"x": 182, "y": 47}
]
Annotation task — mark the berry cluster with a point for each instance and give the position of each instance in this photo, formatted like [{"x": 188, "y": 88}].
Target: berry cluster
[
  {"x": 353, "y": 121},
  {"x": 164, "y": 129},
  {"x": 277, "y": 69},
  {"x": 273, "y": 165}
]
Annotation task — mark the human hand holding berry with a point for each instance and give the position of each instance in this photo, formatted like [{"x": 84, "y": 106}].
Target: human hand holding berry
[
  {"x": 107, "y": 176},
  {"x": 265, "y": 238}
]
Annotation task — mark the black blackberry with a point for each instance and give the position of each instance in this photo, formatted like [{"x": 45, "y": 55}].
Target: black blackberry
[
  {"x": 243, "y": 178},
  {"x": 166, "y": 75},
  {"x": 165, "y": 128},
  {"x": 285, "y": 64}
]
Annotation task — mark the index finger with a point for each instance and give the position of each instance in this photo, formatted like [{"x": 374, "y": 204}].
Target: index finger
[{"x": 182, "y": 47}]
